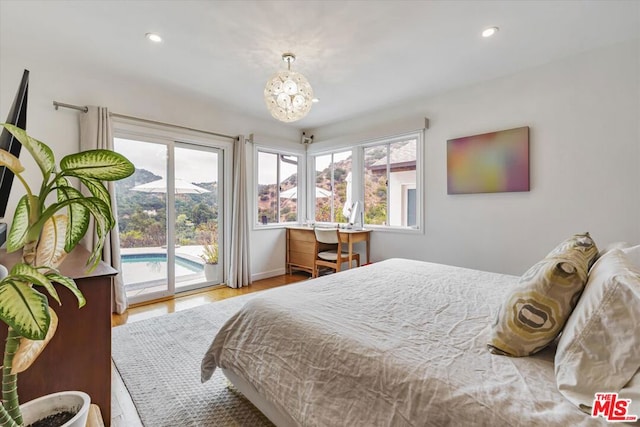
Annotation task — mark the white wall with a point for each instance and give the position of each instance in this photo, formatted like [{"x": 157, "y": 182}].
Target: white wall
[
  {"x": 269, "y": 242},
  {"x": 399, "y": 183},
  {"x": 62, "y": 82},
  {"x": 584, "y": 115}
]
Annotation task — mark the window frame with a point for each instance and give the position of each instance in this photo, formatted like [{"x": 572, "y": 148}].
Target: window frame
[
  {"x": 358, "y": 172},
  {"x": 302, "y": 194},
  {"x": 311, "y": 176}
]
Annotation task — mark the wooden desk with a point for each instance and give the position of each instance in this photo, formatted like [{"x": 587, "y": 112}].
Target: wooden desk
[
  {"x": 301, "y": 246},
  {"x": 79, "y": 355}
]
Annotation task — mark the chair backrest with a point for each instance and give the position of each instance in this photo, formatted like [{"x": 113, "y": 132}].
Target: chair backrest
[{"x": 327, "y": 235}]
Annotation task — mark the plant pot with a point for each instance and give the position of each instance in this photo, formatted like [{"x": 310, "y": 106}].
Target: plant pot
[
  {"x": 211, "y": 272},
  {"x": 73, "y": 401}
]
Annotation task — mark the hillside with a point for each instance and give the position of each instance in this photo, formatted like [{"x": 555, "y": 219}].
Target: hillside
[{"x": 142, "y": 216}]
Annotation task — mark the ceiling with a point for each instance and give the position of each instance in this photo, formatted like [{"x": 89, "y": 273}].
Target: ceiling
[{"x": 358, "y": 56}]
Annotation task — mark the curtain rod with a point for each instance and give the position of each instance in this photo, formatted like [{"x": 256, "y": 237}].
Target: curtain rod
[
  {"x": 85, "y": 109},
  {"x": 72, "y": 107}
]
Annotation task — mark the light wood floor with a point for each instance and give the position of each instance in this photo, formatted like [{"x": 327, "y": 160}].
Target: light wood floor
[{"x": 123, "y": 412}]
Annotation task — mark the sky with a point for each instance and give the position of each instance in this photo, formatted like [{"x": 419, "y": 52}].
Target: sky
[
  {"x": 191, "y": 165},
  {"x": 267, "y": 168}
]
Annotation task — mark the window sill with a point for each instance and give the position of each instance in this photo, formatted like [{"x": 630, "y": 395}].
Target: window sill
[
  {"x": 391, "y": 229},
  {"x": 259, "y": 227}
]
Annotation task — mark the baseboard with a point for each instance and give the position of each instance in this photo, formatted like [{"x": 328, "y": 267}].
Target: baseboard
[{"x": 267, "y": 274}]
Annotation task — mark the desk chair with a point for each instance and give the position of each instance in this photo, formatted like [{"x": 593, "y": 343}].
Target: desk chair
[{"x": 329, "y": 238}]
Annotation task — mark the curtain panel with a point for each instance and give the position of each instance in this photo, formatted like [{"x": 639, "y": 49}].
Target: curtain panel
[
  {"x": 239, "y": 264},
  {"x": 96, "y": 133}
]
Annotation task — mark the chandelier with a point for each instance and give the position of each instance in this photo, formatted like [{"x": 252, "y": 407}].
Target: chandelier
[{"x": 288, "y": 94}]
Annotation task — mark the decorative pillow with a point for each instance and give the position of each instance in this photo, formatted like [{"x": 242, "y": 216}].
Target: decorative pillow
[
  {"x": 599, "y": 350},
  {"x": 538, "y": 306}
]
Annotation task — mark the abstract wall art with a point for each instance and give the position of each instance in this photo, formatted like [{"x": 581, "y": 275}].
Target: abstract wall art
[{"x": 489, "y": 163}]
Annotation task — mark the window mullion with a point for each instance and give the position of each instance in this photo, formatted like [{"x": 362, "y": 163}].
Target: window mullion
[
  {"x": 333, "y": 190},
  {"x": 388, "y": 193},
  {"x": 278, "y": 189}
]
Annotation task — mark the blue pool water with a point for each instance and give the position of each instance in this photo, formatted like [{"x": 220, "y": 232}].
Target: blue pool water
[
  {"x": 194, "y": 266},
  {"x": 151, "y": 268}
]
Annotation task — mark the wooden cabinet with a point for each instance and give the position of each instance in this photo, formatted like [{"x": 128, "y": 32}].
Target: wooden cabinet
[
  {"x": 79, "y": 355},
  {"x": 300, "y": 249},
  {"x": 301, "y": 246}
]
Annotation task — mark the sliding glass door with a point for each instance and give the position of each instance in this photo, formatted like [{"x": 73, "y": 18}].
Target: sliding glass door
[
  {"x": 198, "y": 215},
  {"x": 170, "y": 217}
]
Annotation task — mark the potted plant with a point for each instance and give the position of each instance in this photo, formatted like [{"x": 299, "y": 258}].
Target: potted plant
[
  {"x": 210, "y": 257},
  {"x": 47, "y": 226}
]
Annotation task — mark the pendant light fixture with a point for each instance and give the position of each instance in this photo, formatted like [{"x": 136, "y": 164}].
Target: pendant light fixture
[{"x": 288, "y": 94}]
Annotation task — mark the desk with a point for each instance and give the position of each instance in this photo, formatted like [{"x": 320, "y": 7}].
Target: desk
[{"x": 301, "y": 246}]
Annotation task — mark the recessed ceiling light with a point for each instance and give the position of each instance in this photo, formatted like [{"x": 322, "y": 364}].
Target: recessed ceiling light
[
  {"x": 153, "y": 37},
  {"x": 490, "y": 31},
  {"x": 314, "y": 100}
]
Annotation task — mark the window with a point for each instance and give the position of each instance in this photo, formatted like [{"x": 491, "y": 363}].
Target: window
[
  {"x": 277, "y": 195},
  {"x": 383, "y": 176},
  {"x": 390, "y": 182},
  {"x": 333, "y": 186}
]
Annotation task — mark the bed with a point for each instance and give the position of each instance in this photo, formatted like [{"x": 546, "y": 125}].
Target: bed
[{"x": 395, "y": 343}]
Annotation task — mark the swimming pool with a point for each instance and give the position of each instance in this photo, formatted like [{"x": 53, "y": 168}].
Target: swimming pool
[{"x": 141, "y": 270}]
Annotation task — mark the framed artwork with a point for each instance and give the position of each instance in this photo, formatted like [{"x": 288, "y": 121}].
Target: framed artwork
[{"x": 489, "y": 163}]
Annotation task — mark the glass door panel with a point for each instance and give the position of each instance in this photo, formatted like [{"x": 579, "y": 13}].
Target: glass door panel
[
  {"x": 142, "y": 217},
  {"x": 198, "y": 207}
]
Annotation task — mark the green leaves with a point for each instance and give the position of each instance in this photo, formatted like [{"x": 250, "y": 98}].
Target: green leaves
[
  {"x": 20, "y": 226},
  {"x": 41, "y": 153},
  {"x": 103, "y": 165},
  {"x": 23, "y": 308},
  {"x": 29, "y": 274},
  {"x": 68, "y": 283},
  {"x": 78, "y": 218},
  {"x": 51, "y": 247},
  {"x": 29, "y": 350}
]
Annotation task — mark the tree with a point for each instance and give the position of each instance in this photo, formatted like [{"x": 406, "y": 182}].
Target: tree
[{"x": 202, "y": 214}]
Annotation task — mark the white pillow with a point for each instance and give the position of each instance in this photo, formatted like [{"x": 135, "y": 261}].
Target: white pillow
[
  {"x": 599, "y": 349},
  {"x": 633, "y": 253},
  {"x": 612, "y": 246}
]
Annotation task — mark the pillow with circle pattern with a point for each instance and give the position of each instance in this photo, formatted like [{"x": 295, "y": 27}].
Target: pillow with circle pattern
[{"x": 537, "y": 307}]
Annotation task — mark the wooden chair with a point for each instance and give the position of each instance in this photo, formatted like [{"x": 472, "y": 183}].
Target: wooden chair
[{"x": 329, "y": 251}]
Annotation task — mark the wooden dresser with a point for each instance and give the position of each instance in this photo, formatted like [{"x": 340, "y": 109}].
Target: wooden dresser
[
  {"x": 301, "y": 246},
  {"x": 79, "y": 355}
]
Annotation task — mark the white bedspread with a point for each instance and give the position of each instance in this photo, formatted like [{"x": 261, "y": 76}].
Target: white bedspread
[{"x": 396, "y": 343}]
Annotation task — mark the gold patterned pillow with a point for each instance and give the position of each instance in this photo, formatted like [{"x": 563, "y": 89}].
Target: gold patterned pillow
[{"x": 537, "y": 308}]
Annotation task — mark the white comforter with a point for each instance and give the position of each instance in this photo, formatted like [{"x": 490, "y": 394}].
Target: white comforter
[{"x": 396, "y": 343}]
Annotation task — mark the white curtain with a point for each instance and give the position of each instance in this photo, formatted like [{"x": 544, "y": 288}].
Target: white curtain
[
  {"x": 239, "y": 265},
  {"x": 96, "y": 133}
]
